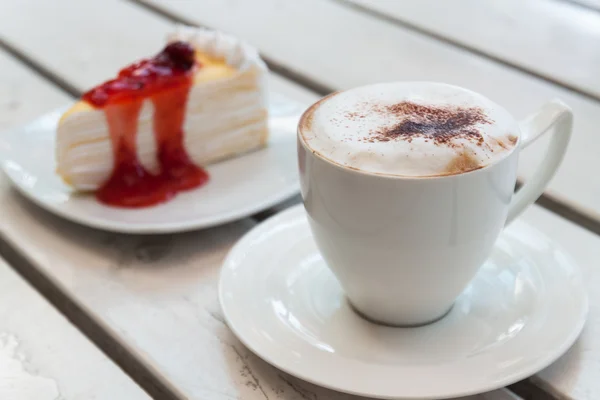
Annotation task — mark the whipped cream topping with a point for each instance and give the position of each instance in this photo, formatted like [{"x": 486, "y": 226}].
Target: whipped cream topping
[
  {"x": 234, "y": 51},
  {"x": 413, "y": 129}
]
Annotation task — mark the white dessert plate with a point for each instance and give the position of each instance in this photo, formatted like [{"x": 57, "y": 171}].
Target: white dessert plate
[
  {"x": 524, "y": 309},
  {"x": 237, "y": 188}
]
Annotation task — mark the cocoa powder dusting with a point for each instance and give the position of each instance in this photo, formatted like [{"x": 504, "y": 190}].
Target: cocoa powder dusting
[
  {"x": 440, "y": 124},
  {"x": 498, "y": 143},
  {"x": 354, "y": 115},
  {"x": 463, "y": 162}
]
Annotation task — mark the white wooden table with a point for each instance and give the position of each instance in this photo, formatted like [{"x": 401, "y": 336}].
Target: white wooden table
[
  {"x": 44, "y": 357},
  {"x": 150, "y": 302}
]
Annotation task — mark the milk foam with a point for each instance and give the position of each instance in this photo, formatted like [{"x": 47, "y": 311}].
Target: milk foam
[{"x": 415, "y": 129}]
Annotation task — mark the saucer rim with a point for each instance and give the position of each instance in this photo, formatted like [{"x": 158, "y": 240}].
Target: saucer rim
[{"x": 535, "y": 367}]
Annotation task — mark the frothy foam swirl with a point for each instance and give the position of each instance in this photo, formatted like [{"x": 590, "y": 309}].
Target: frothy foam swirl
[{"x": 416, "y": 129}]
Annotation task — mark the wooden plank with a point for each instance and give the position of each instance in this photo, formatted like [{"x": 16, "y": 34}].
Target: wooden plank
[
  {"x": 24, "y": 94},
  {"x": 44, "y": 357},
  {"x": 344, "y": 48},
  {"x": 154, "y": 295},
  {"x": 575, "y": 376},
  {"x": 552, "y": 39}
]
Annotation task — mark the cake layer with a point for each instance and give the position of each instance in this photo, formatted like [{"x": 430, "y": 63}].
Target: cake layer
[
  {"x": 87, "y": 158},
  {"x": 226, "y": 115}
]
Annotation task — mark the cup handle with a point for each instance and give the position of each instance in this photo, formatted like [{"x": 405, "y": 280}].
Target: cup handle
[{"x": 559, "y": 116}]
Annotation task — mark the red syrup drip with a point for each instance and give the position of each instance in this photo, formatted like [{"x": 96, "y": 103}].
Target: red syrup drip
[{"x": 165, "y": 80}]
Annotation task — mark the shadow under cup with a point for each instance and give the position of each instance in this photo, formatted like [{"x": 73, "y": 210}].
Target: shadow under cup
[{"x": 403, "y": 249}]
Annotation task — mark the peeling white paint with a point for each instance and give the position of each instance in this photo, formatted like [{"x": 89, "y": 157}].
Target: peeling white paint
[{"x": 15, "y": 381}]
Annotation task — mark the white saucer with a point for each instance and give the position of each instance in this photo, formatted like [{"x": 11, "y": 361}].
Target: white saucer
[
  {"x": 237, "y": 188},
  {"x": 523, "y": 310}
]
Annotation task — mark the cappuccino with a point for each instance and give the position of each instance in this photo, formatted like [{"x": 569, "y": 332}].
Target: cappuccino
[
  {"x": 404, "y": 245},
  {"x": 412, "y": 129}
]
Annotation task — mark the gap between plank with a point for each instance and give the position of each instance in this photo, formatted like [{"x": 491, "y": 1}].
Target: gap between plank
[
  {"x": 396, "y": 21},
  {"x": 579, "y": 4},
  {"x": 148, "y": 380},
  {"x": 276, "y": 67},
  {"x": 530, "y": 391},
  {"x": 35, "y": 66}
]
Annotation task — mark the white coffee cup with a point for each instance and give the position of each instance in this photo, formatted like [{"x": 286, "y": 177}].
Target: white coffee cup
[{"x": 404, "y": 248}]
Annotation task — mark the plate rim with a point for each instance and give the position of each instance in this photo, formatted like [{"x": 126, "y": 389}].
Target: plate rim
[
  {"x": 533, "y": 369},
  {"x": 288, "y": 191},
  {"x": 164, "y": 228}
]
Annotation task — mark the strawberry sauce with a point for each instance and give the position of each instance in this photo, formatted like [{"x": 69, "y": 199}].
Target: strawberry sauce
[{"x": 165, "y": 80}]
